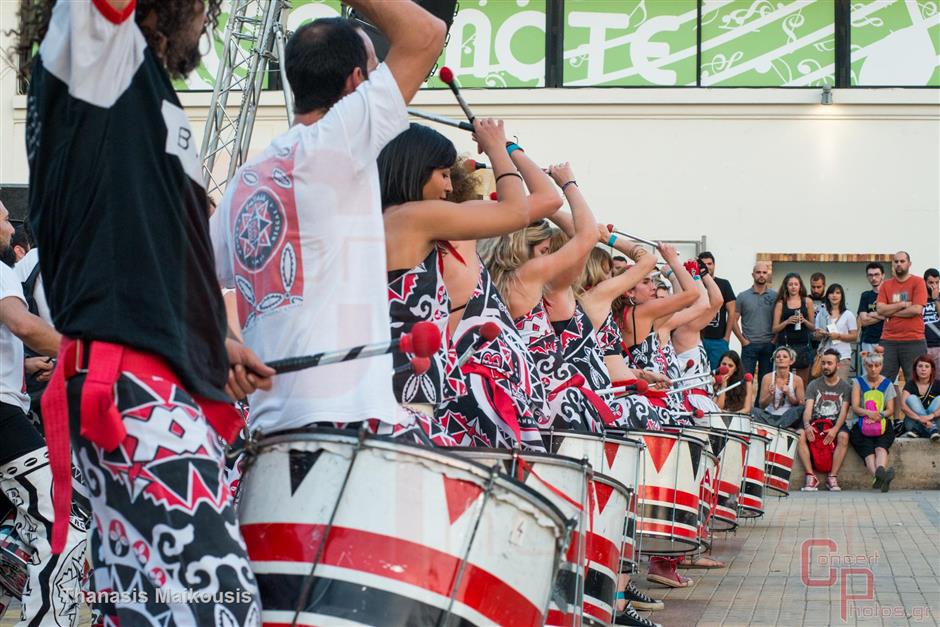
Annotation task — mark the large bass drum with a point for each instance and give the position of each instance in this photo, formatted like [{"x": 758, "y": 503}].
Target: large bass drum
[{"x": 368, "y": 531}]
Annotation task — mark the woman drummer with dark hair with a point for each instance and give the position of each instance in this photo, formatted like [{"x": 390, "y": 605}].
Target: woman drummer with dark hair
[{"x": 414, "y": 171}]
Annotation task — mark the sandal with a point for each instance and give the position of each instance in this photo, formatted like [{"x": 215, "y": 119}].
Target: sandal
[{"x": 703, "y": 562}]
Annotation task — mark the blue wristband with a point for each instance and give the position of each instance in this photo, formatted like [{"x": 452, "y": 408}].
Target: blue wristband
[
  {"x": 696, "y": 277},
  {"x": 512, "y": 147},
  {"x": 613, "y": 238}
]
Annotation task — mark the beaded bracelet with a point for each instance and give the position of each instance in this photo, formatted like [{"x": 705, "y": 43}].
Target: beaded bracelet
[{"x": 571, "y": 182}]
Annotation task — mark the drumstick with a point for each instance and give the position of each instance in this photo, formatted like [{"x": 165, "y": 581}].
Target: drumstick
[
  {"x": 610, "y": 227},
  {"x": 689, "y": 377},
  {"x": 440, "y": 119},
  {"x": 639, "y": 387},
  {"x": 489, "y": 331},
  {"x": 698, "y": 413},
  {"x": 447, "y": 76},
  {"x": 424, "y": 340},
  {"x": 472, "y": 165},
  {"x": 747, "y": 379}
]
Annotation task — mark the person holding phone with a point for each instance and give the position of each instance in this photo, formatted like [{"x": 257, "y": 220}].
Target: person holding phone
[{"x": 837, "y": 328}]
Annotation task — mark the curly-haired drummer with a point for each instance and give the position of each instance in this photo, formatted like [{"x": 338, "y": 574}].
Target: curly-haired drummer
[{"x": 142, "y": 371}]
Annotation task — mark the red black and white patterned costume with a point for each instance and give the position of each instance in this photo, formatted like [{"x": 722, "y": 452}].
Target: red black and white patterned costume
[
  {"x": 572, "y": 404},
  {"x": 505, "y": 399}
]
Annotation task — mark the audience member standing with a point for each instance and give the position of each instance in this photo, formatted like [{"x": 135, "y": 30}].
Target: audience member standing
[
  {"x": 715, "y": 336},
  {"x": 836, "y": 326},
  {"x": 901, "y": 301},
  {"x": 817, "y": 292},
  {"x": 870, "y": 321},
  {"x": 792, "y": 322},
  {"x": 755, "y": 310},
  {"x": 932, "y": 317}
]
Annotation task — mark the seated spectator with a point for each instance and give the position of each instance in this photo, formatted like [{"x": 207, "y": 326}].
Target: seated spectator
[
  {"x": 782, "y": 394},
  {"x": 827, "y": 398},
  {"x": 873, "y": 403},
  {"x": 920, "y": 401},
  {"x": 741, "y": 398},
  {"x": 836, "y": 328}
]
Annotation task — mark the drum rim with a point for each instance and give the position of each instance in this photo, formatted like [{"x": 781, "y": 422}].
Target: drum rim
[
  {"x": 678, "y": 436},
  {"x": 607, "y": 436},
  {"x": 522, "y": 490},
  {"x": 560, "y": 460},
  {"x": 607, "y": 479}
]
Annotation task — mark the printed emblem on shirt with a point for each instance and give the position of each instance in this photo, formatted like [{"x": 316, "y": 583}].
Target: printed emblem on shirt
[{"x": 266, "y": 238}]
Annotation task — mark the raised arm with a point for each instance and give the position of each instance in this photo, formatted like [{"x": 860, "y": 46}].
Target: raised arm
[
  {"x": 415, "y": 39},
  {"x": 543, "y": 198},
  {"x": 564, "y": 266},
  {"x": 659, "y": 307},
  {"x": 474, "y": 219}
]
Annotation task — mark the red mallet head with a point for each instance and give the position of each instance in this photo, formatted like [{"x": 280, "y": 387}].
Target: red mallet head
[
  {"x": 420, "y": 365},
  {"x": 472, "y": 165},
  {"x": 446, "y": 75},
  {"x": 689, "y": 364},
  {"x": 490, "y": 331},
  {"x": 723, "y": 370},
  {"x": 425, "y": 339},
  {"x": 698, "y": 413},
  {"x": 493, "y": 196},
  {"x": 642, "y": 386},
  {"x": 719, "y": 378},
  {"x": 610, "y": 227},
  {"x": 748, "y": 377}
]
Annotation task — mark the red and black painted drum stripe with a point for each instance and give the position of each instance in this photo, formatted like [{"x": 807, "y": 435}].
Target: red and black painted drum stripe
[
  {"x": 732, "y": 454},
  {"x": 751, "y": 500},
  {"x": 604, "y": 549}
]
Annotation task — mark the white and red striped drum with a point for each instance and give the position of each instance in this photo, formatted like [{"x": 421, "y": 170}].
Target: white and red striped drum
[
  {"x": 751, "y": 501},
  {"x": 615, "y": 456},
  {"x": 367, "y": 531},
  {"x": 564, "y": 482},
  {"x": 668, "y": 510},
  {"x": 606, "y": 527},
  {"x": 731, "y": 449},
  {"x": 708, "y": 486},
  {"x": 780, "y": 454}
]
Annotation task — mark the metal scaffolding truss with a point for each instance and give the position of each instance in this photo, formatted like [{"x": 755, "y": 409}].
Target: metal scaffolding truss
[{"x": 254, "y": 38}]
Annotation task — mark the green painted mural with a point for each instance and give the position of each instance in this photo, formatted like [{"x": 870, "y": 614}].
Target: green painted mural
[{"x": 637, "y": 43}]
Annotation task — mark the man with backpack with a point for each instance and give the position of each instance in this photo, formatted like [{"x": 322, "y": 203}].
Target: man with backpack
[{"x": 824, "y": 439}]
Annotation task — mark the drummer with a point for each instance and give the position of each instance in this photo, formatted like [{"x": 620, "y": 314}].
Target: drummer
[{"x": 302, "y": 221}]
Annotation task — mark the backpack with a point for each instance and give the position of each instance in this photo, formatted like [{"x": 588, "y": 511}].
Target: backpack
[
  {"x": 819, "y": 451},
  {"x": 875, "y": 395},
  {"x": 29, "y": 286}
]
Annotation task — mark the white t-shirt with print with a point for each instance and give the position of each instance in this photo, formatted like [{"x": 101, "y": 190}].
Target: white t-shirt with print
[
  {"x": 844, "y": 324},
  {"x": 11, "y": 347},
  {"x": 299, "y": 235}
]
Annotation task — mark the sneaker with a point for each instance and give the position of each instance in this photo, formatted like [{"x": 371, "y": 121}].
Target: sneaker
[
  {"x": 641, "y": 601},
  {"x": 812, "y": 483},
  {"x": 935, "y": 436},
  {"x": 629, "y": 617},
  {"x": 832, "y": 484},
  {"x": 886, "y": 483},
  {"x": 879, "y": 477}
]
